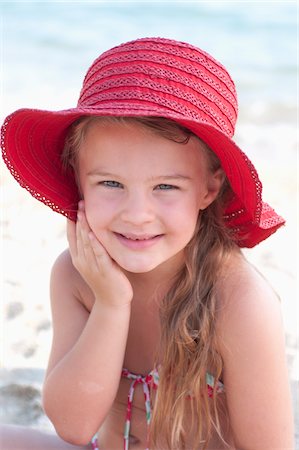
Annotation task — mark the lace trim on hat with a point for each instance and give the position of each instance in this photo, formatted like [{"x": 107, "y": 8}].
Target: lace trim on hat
[
  {"x": 20, "y": 180},
  {"x": 258, "y": 188},
  {"x": 34, "y": 194},
  {"x": 234, "y": 215}
]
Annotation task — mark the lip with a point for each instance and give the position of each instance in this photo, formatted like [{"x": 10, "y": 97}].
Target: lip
[{"x": 138, "y": 242}]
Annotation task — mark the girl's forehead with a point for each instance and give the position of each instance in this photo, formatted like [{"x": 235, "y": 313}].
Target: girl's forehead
[{"x": 128, "y": 142}]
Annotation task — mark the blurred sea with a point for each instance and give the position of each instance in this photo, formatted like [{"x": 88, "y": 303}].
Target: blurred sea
[{"x": 47, "y": 47}]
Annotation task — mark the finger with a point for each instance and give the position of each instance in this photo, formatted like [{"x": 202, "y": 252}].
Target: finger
[
  {"x": 71, "y": 237},
  {"x": 81, "y": 234},
  {"x": 102, "y": 257},
  {"x": 83, "y": 242},
  {"x": 81, "y": 205}
]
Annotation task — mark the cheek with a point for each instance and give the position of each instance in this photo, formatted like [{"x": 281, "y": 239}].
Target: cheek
[
  {"x": 97, "y": 212},
  {"x": 191, "y": 207},
  {"x": 184, "y": 208},
  {"x": 183, "y": 218}
]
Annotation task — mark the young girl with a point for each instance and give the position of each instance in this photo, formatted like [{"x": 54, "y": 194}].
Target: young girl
[{"x": 164, "y": 336}]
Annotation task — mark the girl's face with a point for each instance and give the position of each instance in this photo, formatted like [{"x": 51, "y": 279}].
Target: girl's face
[{"x": 143, "y": 193}]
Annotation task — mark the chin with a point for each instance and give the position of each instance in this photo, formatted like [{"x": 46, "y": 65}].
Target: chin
[
  {"x": 137, "y": 266},
  {"x": 144, "y": 264}
]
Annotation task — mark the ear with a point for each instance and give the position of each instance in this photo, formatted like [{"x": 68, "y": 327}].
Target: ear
[{"x": 214, "y": 185}]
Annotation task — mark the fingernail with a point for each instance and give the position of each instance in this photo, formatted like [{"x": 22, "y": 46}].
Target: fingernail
[{"x": 80, "y": 205}]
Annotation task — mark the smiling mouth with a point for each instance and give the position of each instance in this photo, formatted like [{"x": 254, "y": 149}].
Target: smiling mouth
[
  {"x": 132, "y": 237},
  {"x": 138, "y": 242}
]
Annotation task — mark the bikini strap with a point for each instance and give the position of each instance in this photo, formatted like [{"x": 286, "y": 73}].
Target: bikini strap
[{"x": 148, "y": 382}]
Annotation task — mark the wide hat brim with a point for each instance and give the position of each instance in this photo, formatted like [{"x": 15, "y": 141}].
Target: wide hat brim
[{"x": 32, "y": 142}]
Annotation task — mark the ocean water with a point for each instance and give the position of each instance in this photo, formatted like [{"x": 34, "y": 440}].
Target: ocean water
[{"x": 47, "y": 47}]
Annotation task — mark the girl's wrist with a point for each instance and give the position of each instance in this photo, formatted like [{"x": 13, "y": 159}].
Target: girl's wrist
[{"x": 112, "y": 305}]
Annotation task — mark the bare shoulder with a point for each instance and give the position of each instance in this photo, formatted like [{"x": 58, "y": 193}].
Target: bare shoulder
[
  {"x": 243, "y": 292},
  {"x": 63, "y": 268},
  {"x": 249, "y": 311},
  {"x": 71, "y": 302},
  {"x": 66, "y": 277},
  {"x": 250, "y": 339}
]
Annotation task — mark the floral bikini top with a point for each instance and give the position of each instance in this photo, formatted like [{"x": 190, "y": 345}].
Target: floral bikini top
[{"x": 148, "y": 382}]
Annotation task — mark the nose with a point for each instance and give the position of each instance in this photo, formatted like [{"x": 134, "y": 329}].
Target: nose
[{"x": 138, "y": 208}]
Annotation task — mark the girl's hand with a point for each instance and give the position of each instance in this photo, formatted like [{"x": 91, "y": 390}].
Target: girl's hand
[{"x": 108, "y": 283}]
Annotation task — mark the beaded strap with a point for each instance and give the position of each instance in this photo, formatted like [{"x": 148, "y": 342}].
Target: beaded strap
[
  {"x": 147, "y": 383},
  {"x": 94, "y": 442}
]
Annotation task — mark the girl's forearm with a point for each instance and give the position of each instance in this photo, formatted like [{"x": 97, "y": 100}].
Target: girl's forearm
[{"x": 79, "y": 392}]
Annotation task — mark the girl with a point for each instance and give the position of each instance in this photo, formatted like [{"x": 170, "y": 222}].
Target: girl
[{"x": 164, "y": 336}]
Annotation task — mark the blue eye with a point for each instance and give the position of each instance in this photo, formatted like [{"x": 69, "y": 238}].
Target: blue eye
[
  {"x": 166, "y": 187},
  {"x": 111, "y": 184}
]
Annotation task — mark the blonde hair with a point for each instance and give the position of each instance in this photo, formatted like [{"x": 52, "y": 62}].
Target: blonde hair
[{"x": 188, "y": 312}]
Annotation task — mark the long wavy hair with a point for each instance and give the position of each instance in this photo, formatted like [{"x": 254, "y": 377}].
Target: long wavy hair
[{"x": 188, "y": 312}]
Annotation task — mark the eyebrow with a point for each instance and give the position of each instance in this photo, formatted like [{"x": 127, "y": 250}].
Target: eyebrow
[
  {"x": 171, "y": 177},
  {"x": 97, "y": 172},
  {"x": 175, "y": 176}
]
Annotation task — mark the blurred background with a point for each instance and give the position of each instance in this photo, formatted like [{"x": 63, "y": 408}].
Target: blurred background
[{"x": 46, "y": 49}]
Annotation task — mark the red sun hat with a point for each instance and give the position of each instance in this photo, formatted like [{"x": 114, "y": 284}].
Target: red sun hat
[{"x": 145, "y": 77}]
